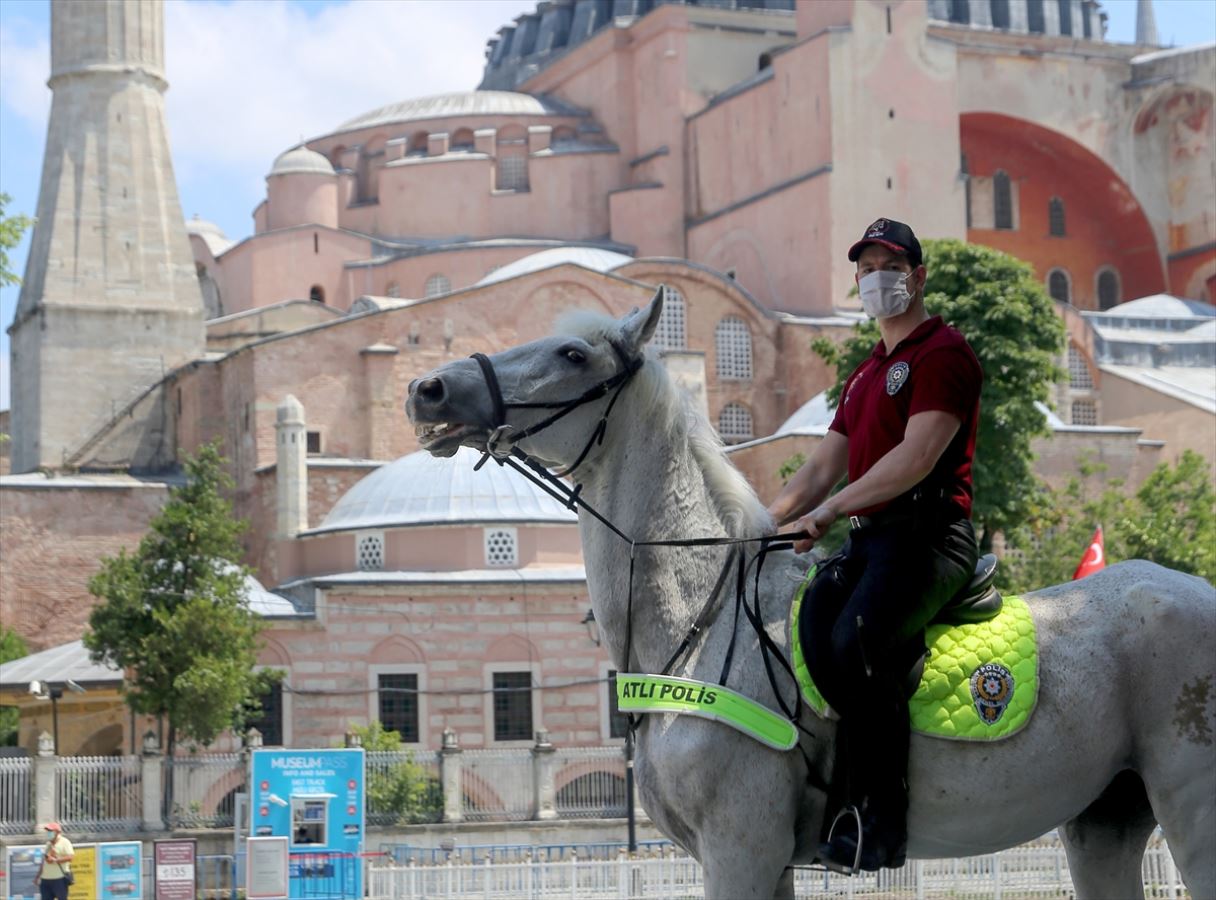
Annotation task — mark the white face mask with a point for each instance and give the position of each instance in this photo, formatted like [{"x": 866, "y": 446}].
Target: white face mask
[{"x": 884, "y": 293}]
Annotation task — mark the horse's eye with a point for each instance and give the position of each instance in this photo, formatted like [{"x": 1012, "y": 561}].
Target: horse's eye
[{"x": 575, "y": 356}]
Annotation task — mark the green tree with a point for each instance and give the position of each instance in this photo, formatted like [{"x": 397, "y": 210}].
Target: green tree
[
  {"x": 1010, "y": 322},
  {"x": 174, "y": 615},
  {"x": 11, "y": 230},
  {"x": 403, "y": 792},
  {"x": 1176, "y": 521},
  {"x": 11, "y": 647}
]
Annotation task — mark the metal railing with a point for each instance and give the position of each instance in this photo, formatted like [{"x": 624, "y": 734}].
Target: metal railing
[
  {"x": 496, "y": 784},
  {"x": 590, "y": 782},
  {"x": 200, "y": 790},
  {"x": 1038, "y": 869},
  {"x": 403, "y": 787},
  {"x": 16, "y": 795},
  {"x": 99, "y": 793}
]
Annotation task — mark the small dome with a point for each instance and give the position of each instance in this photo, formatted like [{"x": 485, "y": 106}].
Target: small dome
[
  {"x": 420, "y": 489},
  {"x": 588, "y": 257},
  {"x": 301, "y": 159},
  {"x": 210, "y": 233}
]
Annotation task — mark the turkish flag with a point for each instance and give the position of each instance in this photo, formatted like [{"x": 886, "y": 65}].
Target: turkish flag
[{"x": 1094, "y": 559}]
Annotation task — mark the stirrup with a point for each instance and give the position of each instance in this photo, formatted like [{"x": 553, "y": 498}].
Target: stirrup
[{"x": 853, "y": 811}]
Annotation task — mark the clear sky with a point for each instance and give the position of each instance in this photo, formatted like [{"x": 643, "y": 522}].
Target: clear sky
[{"x": 248, "y": 80}]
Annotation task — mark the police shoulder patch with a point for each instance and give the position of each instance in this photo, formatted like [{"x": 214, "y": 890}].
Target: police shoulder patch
[{"x": 897, "y": 375}]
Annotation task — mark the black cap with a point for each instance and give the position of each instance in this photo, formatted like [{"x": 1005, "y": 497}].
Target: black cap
[{"x": 894, "y": 236}]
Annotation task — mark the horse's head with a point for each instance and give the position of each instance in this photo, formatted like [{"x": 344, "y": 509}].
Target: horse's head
[{"x": 509, "y": 394}]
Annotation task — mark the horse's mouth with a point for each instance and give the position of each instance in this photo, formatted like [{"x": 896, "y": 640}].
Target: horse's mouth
[{"x": 444, "y": 438}]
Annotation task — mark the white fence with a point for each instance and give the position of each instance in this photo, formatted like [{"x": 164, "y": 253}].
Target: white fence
[
  {"x": 16, "y": 795},
  {"x": 590, "y": 782},
  {"x": 1033, "y": 870},
  {"x": 98, "y": 793},
  {"x": 496, "y": 784},
  {"x": 203, "y": 789}
]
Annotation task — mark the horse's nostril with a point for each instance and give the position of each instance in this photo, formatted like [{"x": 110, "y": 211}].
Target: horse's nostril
[{"x": 431, "y": 390}]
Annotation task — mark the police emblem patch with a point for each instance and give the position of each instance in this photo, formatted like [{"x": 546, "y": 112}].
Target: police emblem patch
[
  {"x": 896, "y": 376},
  {"x": 991, "y": 689}
]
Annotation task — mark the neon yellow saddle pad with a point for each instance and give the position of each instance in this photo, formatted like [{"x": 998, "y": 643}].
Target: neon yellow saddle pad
[{"x": 981, "y": 681}]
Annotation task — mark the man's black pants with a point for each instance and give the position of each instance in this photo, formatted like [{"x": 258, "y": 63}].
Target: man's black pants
[{"x": 893, "y": 579}]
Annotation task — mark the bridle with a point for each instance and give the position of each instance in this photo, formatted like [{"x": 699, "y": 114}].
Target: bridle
[{"x": 503, "y": 447}]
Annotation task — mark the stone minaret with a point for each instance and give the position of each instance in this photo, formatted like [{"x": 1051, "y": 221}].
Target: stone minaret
[
  {"x": 1146, "y": 23},
  {"x": 291, "y": 471},
  {"x": 110, "y": 300}
]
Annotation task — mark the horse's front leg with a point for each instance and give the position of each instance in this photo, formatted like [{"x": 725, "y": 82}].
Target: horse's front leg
[{"x": 746, "y": 870}]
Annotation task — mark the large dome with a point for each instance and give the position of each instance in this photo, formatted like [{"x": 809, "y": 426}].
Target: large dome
[
  {"x": 466, "y": 103},
  {"x": 420, "y": 489}
]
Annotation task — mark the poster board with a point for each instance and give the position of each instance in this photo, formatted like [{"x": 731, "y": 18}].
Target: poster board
[
  {"x": 174, "y": 869},
  {"x": 22, "y": 862},
  {"x": 266, "y": 868},
  {"x": 120, "y": 871},
  {"x": 84, "y": 868}
]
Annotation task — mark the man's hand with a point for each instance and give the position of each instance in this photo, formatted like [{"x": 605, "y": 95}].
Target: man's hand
[{"x": 815, "y": 523}]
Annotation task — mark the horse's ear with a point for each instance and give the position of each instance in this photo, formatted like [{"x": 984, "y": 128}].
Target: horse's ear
[{"x": 639, "y": 325}]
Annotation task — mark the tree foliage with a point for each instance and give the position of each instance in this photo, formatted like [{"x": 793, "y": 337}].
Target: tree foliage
[
  {"x": 405, "y": 790},
  {"x": 174, "y": 615},
  {"x": 11, "y": 647},
  {"x": 11, "y": 230},
  {"x": 1010, "y": 322},
  {"x": 1170, "y": 520}
]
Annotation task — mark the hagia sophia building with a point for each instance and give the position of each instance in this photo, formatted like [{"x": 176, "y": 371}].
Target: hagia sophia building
[{"x": 728, "y": 151}]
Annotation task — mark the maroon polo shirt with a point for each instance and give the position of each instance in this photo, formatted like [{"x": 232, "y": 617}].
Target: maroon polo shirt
[{"x": 932, "y": 369}]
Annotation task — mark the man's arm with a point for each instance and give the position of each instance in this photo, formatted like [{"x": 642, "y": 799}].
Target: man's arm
[
  {"x": 904, "y": 466},
  {"x": 811, "y": 483}
]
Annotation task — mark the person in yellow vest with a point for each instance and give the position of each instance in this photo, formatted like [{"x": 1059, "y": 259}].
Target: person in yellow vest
[{"x": 52, "y": 878}]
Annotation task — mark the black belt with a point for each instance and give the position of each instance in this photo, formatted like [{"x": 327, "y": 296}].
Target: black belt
[{"x": 879, "y": 519}]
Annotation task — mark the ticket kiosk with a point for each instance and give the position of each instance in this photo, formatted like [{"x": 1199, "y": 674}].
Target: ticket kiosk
[{"x": 314, "y": 799}]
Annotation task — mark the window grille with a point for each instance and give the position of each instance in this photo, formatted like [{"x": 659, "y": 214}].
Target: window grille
[
  {"x": 512, "y": 706},
  {"x": 618, "y": 722},
  {"x": 436, "y": 285},
  {"x": 670, "y": 333},
  {"x": 398, "y": 696},
  {"x": 1035, "y": 21},
  {"x": 369, "y": 552},
  {"x": 735, "y": 423},
  {"x": 1084, "y": 412},
  {"x": 733, "y": 346},
  {"x": 512, "y": 172},
  {"x": 1002, "y": 199},
  {"x": 1058, "y": 287},
  {"x": 1055, "y": 217},
  {"x": 1108, "y": 288},
  {"x": 502, "y": 547},
  {"x": 270, "y": 720},
  {"x": 1079, "y": 378},
  {"x": 1000, "y": 13}
]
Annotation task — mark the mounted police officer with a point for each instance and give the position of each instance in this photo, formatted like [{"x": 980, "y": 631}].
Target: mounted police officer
[{"x": 904, "y": 433}]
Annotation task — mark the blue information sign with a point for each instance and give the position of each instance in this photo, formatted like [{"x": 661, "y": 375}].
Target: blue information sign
[
  {"x": 120, "y": 871},
  {"x": 23, "y": 864},
  {"x": 315, "y": 799}
]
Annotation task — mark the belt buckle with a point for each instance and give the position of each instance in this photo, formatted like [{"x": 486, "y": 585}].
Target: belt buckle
[{"x": 854, "y": 522}]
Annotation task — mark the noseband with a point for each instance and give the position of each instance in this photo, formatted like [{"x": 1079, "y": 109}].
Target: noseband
[{"x": 499, "y": 436}]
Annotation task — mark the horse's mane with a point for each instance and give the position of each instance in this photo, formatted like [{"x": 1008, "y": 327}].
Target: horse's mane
[{"x": 666, "y": 407}]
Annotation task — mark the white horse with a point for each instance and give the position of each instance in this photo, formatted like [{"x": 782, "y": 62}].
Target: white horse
[{"x": 1122, "y": 738}]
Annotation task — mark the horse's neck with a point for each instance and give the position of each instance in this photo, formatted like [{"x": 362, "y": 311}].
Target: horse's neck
[{"x": 650, "y": 493}]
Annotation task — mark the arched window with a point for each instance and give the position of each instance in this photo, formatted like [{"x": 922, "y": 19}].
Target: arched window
[
  {"x": 733, "y": 347},
  {"x": 1035, "y": 21},
  {"x": 1000, "y": 13},
  {"x": 462, "y": 141},
  {"x": 1108, "y": 288},
  {"x": 735, "y": 423},
  {"x": 437, "y": 284},
  {"x": 511, "y": 164},
  {"x": 1055, "y": 217},
  {"x": 1058, "y": 286},
  {"x": 1079, "y": 378},
  {"x": 316, "y": 294},
  {"x": 418, "y": 145},
  {"x": 1084, "y": 412},
  {"x": 670, "y": 333},
  {"x": 960, "y": 11},
  {"x": 563, "y": 136},
  {"x": 1002, "y": 199},
  {"x": 393, "y": 289},
  {"x": 1065, "y": 17}
]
